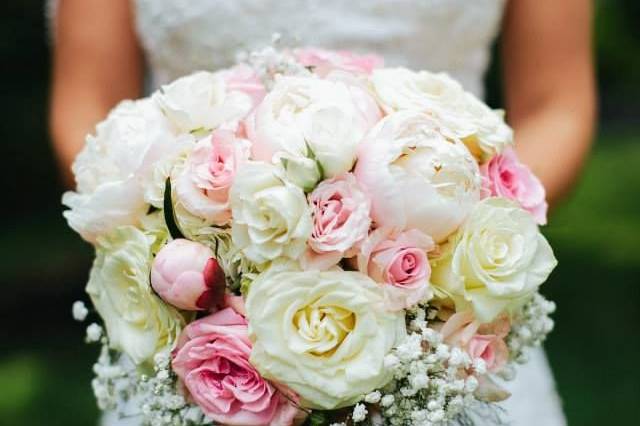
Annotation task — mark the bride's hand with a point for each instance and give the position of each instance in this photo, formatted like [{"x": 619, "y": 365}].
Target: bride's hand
[
  {"x": 549, "y": 84},
  {"x": 96, "y": 63}
]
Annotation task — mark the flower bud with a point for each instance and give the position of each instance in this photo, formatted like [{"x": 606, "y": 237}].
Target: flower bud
[{"x": 186, "y": 275}]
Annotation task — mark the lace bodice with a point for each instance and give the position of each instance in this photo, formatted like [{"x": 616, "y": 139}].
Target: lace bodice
[{"x": 181, "y": 36}]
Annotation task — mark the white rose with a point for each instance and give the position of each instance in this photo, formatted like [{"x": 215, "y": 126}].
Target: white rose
[
  {"x": 468, "y": 118},
  {"x": 115, "y": 169},
  {"x": 417, "y": 178},
  {"x": 311, "y": 126},
  {"x": 495, "y": 261},
  {"x": 155, "y": 177},
  {"x": 323, "y": 334},
  {"x": 202, "y": 101},
  {"x": 138, "y": 323},
  {"x": 270, "y": 217}
]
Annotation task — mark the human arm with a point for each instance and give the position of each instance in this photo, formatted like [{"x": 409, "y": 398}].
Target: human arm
[
  {"x": 96, "y": 63},
  {"x": 549, "y": 87}
]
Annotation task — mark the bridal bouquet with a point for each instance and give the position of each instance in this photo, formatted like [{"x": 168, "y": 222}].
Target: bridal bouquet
[{"x": 309, "y": 238}]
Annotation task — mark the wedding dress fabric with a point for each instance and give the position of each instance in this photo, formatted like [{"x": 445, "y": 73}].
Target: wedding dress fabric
[{"x": 183, "y": 36}]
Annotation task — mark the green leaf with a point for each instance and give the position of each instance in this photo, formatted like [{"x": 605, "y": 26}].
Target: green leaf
[
  {"x": 312, "y": 155},
  {"x": 169, "y": 216},
  {"x": 317, "y": 418}
]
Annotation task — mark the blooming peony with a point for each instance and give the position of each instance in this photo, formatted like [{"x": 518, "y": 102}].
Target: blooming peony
[
  {"x": 202, "y": 185},
  {"x": 271, "y": 217},
  {"x": 416, "y": 177},
  {"x": 138, "y": 322},
  {"x": 495, "y": 261},
  {"x": 323, "y": 334},
  {"x": 114, "y": 165},
  {"x": 400, "y": 263},
  {"x": 204, "y": 100},
  {"x": 482, "y": 129},
  {"x": 505, "y": 176},
  {"x": 212, "y": 361},
  {"x": 186, "y": 275},
  {"x": 312, "y": 127}
]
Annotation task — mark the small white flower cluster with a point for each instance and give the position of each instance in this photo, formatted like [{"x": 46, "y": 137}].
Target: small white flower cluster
[
  {"x": 429, "y": 387},
  {"x": 530, "y": 327},
  {"x": 113, "y": 381},
  {"x": 270, "y": 62},
  {"x": 79, "y": 311},
  {"x": 94, "y": 333},
  {"x": 161, "y": 404}
]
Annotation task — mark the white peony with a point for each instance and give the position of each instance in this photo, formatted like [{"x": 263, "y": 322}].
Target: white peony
[
  {"x": 202, "y": 101},
  {"x": 138, "y": 322},
  {"x": 116, "y": 168},
  {"x": 497, "y": 259},
  {"x": 467, "y": 117},
  {"x": 417, "y": 178},
  {"x": 312, "y": 127},
  {"x": 323, "y": 334},
  {"x": 270, "y": 216}
]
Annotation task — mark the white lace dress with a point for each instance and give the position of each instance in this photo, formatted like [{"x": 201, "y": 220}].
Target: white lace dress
[{"x": 182, "y": 36}]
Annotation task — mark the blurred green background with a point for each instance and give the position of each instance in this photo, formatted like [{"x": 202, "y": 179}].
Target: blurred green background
[{"x": 45, "y": 369}]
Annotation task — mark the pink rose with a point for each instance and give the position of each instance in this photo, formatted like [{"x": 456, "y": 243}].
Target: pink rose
[
  {"x": 325, "y": 61},
  {"x": 505, "y": 176},
  {"x": 243, "y": 78},
  {"x": 340, "y": 214},
  {"x": 203, "y": 186},
  {"x": 212, "y": 361},
  {"x": 186, "y": 275},
  {"x": 490, "y": 348},
  {"x": 400, "y": 263},
  {"x": 484, "y": 341}
]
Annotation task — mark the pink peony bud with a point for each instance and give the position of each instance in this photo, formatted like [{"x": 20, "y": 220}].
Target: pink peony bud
[{"x": 186, "y": 275}]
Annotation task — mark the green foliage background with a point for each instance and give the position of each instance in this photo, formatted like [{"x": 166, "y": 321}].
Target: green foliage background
[{"x": 45, "y": 369}]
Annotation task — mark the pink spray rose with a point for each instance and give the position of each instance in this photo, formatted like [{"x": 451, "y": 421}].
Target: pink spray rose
[
  {"x": 340, "y": 213},
  {"x": 479, "y": 341},
  {"x": 400, "y": 263},
  {"x": 325, "y": 61},
  {"x": 186, "y": 275},
  {"x": 203, "y": 186},
  {"x": 212, "y": 361},
  {"x": 505, "y": 176}
]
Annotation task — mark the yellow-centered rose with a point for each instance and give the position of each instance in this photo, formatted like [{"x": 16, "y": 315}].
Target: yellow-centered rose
[
  {"x": 495, "y": 261},
  {"x": 323, "y": 334}
]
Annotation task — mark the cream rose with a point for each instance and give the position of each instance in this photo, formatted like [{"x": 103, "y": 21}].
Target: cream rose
[
  {"x": 495, "y": 261},
  {"x": 312, "y": 127},
  {"x": 417, "y": 177},
  {"x": 270, "y": 216},
  {"x": 482, "y": 129},
  {"x": 116, "y": 168},
  {"x": 138, "y": 323},
  {"x": 323, "y": 334}
]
